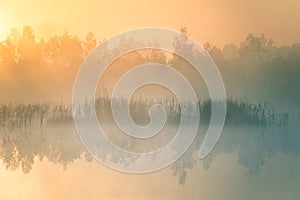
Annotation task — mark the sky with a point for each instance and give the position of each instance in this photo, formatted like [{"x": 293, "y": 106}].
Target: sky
[{"x": 216, "y": 21}]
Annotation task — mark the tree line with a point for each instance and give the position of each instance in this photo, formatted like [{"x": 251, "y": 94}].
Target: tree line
[{"x": 45, "y": 69}]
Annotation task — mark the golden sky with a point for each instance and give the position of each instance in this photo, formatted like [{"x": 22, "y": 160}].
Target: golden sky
[{"x": 217, "y": 21}]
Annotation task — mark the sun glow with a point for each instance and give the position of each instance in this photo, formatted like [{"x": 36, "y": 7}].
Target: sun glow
[{"x": 1, "y": 39}]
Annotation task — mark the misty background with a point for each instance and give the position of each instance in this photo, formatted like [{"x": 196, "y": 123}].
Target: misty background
[{"x": 44, "y": 70}]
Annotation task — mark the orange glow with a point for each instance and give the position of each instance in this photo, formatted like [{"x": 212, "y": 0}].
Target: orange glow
[
  {"x": 216, "y": 21},
  {"x": 1, "y": 39}
]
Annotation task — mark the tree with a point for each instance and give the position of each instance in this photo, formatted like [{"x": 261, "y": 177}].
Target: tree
[
  {"x": 254, "y": 47},
  {"x": 89, "y": 43},
  {"x": 230, "y": 51}
]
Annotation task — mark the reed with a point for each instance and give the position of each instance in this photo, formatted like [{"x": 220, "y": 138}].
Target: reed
[{"x": 238, "y": 112}]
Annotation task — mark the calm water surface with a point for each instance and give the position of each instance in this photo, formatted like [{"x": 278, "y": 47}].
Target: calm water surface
[{"x": 249, "y": 162}]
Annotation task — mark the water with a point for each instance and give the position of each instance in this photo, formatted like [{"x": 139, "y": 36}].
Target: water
[{"x": 249, "y": 162}]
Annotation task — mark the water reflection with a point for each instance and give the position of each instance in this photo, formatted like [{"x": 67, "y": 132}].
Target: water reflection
[
  {"x": 20, "y": 146},
  {"x": 254, "y": 145},
  {"x": 59, "y": 144}
]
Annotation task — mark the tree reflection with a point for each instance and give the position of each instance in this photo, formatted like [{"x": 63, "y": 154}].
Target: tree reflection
[
  {"x": 20, "y": 146},
  {"x": 56, "y": 140}
]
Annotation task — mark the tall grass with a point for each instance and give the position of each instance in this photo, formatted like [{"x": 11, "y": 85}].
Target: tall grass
[{"x": 238, "y": 112}]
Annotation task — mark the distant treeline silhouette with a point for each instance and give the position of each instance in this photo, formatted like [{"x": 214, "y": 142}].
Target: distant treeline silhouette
[{"x": 45, "y": 70}]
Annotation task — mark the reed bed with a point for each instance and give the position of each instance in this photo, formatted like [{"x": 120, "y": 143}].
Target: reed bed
[{"x": 238, "y": 112}]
